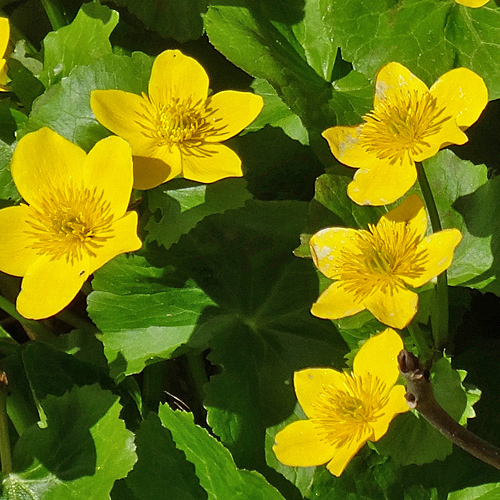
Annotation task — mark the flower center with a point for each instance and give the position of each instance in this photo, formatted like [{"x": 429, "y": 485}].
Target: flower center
[
  {"x": 402, "y": 124},
  {"x": 345, "y": 412},
  {"x": 70, "y": 222},
  {"x": 384, "y": 256}
]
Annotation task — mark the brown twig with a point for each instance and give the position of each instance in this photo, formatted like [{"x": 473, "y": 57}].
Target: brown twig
[{"x": 419, "y": 396}]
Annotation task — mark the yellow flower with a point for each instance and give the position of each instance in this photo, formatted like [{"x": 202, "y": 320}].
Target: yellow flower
[
  {"x": 75, "y": 219},
  {"x": 372, "y": 267},
  {"x": 409, "y": 123},
  {"x": 177, "y": 128},
  {"x": 4, "y": 42},
  {"x": 345, "y": 410},
  {"x": 473, "y": 3}
]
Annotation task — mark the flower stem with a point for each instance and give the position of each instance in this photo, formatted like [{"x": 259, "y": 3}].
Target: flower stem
[
  {"x": 55, "y": 13},
  {"x": 439, "y": 313},
  {"x": 39, "y": 329},
  {"x": 79, "y": 323},
  {"x": 5, "y": 455},
  {"x": 420, "y": 397},
  {"x": 424, "y": 351}
]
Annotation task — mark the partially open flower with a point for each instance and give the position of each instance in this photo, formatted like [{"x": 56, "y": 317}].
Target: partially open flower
[
  {"x": 372, "y": 268},
  {"x": 177, "y": 129},
  {"x": 409, "y": 123},
  {"x": 344, "y": 410},
  {"x": 74, "y": 221}
]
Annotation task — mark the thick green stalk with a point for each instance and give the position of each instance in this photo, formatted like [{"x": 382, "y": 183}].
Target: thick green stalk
[
  {"x": 439, "y": 312},
  {"x": 425, "y": 353},
  {"x": 5, "y": 455},
  {"x": 79, "y": 323},
  {"x": 55, "y": 13}
]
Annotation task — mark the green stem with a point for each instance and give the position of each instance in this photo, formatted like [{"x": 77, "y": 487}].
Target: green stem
[
  {"x": 424, "y": 351},
  {"x": 439, "y": 313},
  {"x": 152, "y": 386},
  {"x": 55, "y": 13},
  {"x": 38, "y": 328},
  {"x": 79, "y": 323},
  {"x": 5, "y": 455}
]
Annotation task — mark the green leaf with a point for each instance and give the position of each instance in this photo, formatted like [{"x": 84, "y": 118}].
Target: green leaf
[
  {"x": 411, "y": 439},
  {"x": 8, "y": 189},
  {"x": 161, "y": 467},
  {"x": 176, "y": 19},
  {"x": 484, "y": 492},
  {"x": 65, "y": 107},
  {"x": 277, "y": 114},
  {"x": 83, "y": 450},
  {"x": 144, "y": 312},
  {"x": 264, "y": 330},
  {"x": 214, "y": 465},
  {"x": 182, "y": 204},
  {"x": 428, "y": 37},
  {"x": 84, "y": 41},
  {"x": 466, "y": 200}
]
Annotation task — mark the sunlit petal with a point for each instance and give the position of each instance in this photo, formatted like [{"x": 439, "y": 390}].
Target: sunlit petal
[
  {"x": 4, "y": 35},
  {"x": 472, "y": 3},
  {"x": 16, "y": 253},
  {"x": 311, "y": 382},
  {"x": 344, "y": 454},
  {"x": 336, "y": 302},
  {"x": 42, "y": 161},
  {"x": 412, "y": 213},
  {"x": 346, "y": 145},
  {"x": 396, "y": 404},
  {"x": 439, "y": 248},
  {"x": 394, "y": 306},
  {"x": 176, "y": 76},
  {"x": 50, "y": 285},
  {"x": 299, "y": 445},
  {"x": 230, "y": 112},
  {"x": 378, "y": 356},
  {"x": 211, "y": 163},
  {"x": 108, "y": 167},
  {"x": 328, "y": 244},
  {"x": 463, "y": 94},
  {"x": 164, "y": 164}
]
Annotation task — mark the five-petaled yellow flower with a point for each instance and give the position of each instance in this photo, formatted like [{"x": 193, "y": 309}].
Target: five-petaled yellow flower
[
  {"x": 409, "y": 123},
  {"x": 177, "y": 128},
  {"x": 75, "y": 219},
  {"x": 344, "y": 410},
  {"x": 372, "y": 268},
  {"x": 4, "y": 43}
]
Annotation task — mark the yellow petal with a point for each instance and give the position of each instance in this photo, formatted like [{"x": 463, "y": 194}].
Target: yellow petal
[
  {"x": 128, "y": 115},
  {"x": 122, "y": 238},
  {"x": 344, "y": 454},
  {"x": 395, "y": 306},
  {"x": 310, "y": 384},
  {"x": 378, "y": 356},
  {"x": 411, "y": 212},
  {"x": 50, "y": 285},
  {"x": 336, "y": 302},
  {"x": 210, "y": 163},
  {"x": 4, "y": 35},
  {"x": 472, "y": 3},
  {"x": 439, "y": 248},
  {"x": 396, "y": 404},
  {"x": 176, "y": 76},
  {"x": 15, "y": 253},
  {"x": 4, "y": 79},
  {"x": 42, "y": 161},
  {"x": 463, "y": 94},
  {"x": 229, "y": 112},
  {"x": 392, "y": 78},
  {"x": 298, "y": 445},
  {"x": 164, "y": 164},
  {"x": 108, "y": 167},
  {"x": 381, "y": 182},
  {"x": 345, "y": 144},
  {"x": 327, "y": 245}
]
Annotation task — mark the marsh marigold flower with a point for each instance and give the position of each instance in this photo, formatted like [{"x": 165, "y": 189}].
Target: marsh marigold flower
[
  {"x": 176, "y": 128},
  {"x": 4, "y": 43},
  {"x": 373, "y": 267},
  {"x": 344, "y": 410},
  {"x": 409, "y": 123},
  {"x": 74, "y": 221}
]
